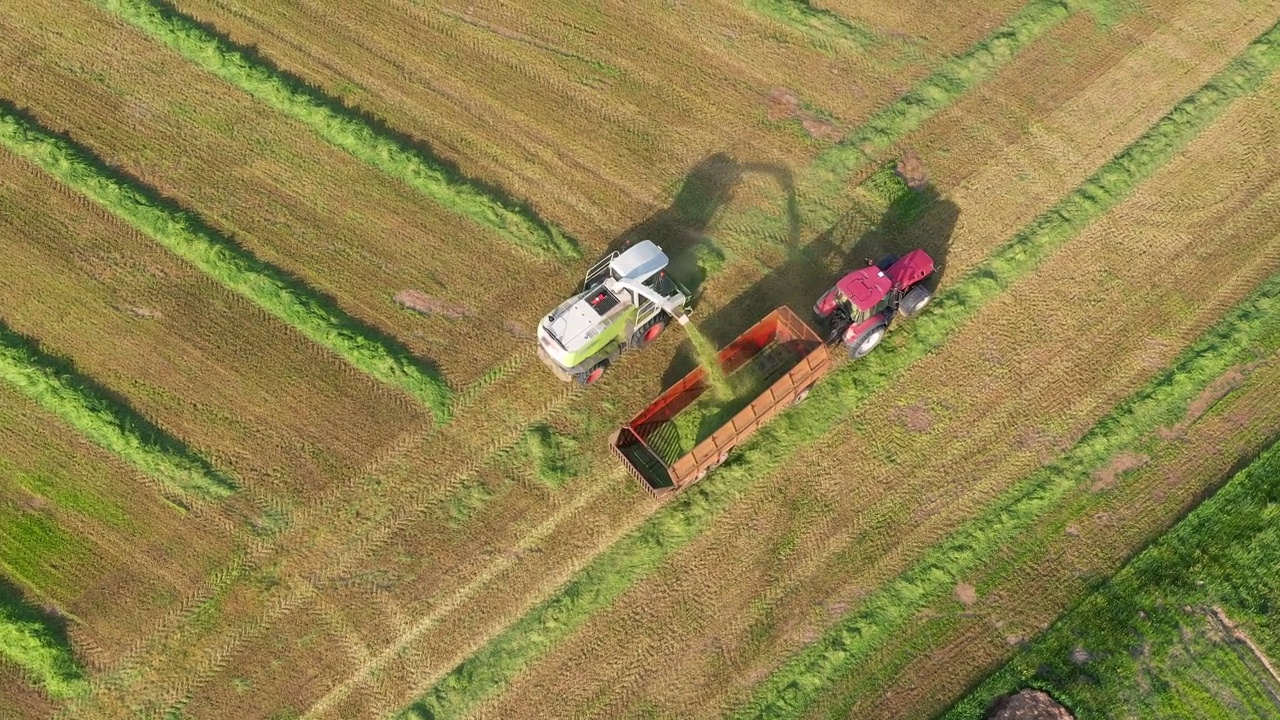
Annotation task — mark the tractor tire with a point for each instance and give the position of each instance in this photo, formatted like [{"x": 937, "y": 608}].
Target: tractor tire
[
  {"x": 649, "y": 332},
  {"x": 589, "y": 377},
  {"x": 886, "y": 262},
  {"x": 914, "y": 302},
  {"x": 867, "y": 341}
]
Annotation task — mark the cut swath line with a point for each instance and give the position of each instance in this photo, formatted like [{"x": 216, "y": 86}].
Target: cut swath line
[
  {"x": 117, "y": 428},
  {"x": 285, "y": 298},
  {"x": 675, "y": 525},
  {"x": 28, "y": 640},
  {"x": 345, "y": 128}
]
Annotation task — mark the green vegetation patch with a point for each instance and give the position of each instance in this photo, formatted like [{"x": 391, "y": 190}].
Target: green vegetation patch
[
  {"x": 35, "y": 643},
  {"x": 676, "y": 524},
  {"x": 285, "y": 298},
  {"x": 56, "y": 388},
  {"x": 344, "y": 128},
  {"x": 823, "y": 28},
  {"x": 550, "y": 455},
  {"x": 1169, "y": 635}
]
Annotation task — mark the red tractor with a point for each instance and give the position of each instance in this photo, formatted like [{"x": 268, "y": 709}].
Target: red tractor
[{"x": 858, "y": 309}]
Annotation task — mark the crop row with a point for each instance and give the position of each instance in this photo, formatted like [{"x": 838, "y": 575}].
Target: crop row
[
  {"x": 679, "y": 522},
  {"x": 345, "y": 128},
  {"x": 56, "y": 388},
  {"x": 30, "y": 641},
  {"x": 284, "y": 297},
  {"x": 1212, "y": 556}
]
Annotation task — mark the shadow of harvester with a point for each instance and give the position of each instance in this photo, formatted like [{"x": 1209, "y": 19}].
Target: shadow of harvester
[
  {"x": 681, "y": 228},
  {"x": 916, "y": 218}
]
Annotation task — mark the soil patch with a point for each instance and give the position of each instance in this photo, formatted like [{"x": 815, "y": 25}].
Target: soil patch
[
  {"x": 912, "y": 170},
  {"x": 916, "y": 418},
  {"x": 421, "y": 302},
  {"x": 1028, "y": 705},
  {"x": 966, "y": 594},
  {"x": 516, "y": 330},
  {"x": 1105, "y": 478},
  {"x": 784, "y": 104},
  {"x": 140, "y": 312}
]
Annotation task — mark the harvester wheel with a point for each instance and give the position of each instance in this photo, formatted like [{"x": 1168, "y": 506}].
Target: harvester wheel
[
  {"x": 649, "y": 332},
  {"x": 867, "y": 341},
  {"x": 588, "y": 377},
  {"x": 914, "y": 301}
]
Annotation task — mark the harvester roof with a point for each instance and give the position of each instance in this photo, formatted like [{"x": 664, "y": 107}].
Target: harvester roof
[
  {"x": 639, "y": 261},
  {"x": 865, "y": 287}
]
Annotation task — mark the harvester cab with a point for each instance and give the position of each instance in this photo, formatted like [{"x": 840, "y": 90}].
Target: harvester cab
[
  {"x": 626, "y": 302},
  {"x": 857, "y": 310}
]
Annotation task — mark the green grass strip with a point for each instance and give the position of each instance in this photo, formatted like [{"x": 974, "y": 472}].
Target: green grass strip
[
  {"x": 821, "y": 27},
  {"x": 32, "y": 641},
  {"x": 187, "y": 236},
  {"x": 675, "y": 525},
  {"x": 345, "y": 128},
  {"x": 56, "y": 388},
  {"x": 1248, "y": 332},
  {"x": 1212, "y": 557}
]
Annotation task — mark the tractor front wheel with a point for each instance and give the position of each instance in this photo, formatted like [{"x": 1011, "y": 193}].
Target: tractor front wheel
[
  {"x": 867, "y": 341},
  {"x": 589, "y": 377},
  {"x": 914, "y": 301}
]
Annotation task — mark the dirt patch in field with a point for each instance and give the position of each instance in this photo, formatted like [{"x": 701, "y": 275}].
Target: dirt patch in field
[
  {"x": 421, "y": 302},
  {"x": 912, "y": 170},
  {"x": 1105, "y": 477},
  {"x": 916, "y": 418},
  {"x": 516, "y": 330},
  {"x": 784, "y": 104},
  {"x": 966, "y": 594},
  {"x": 1230, "y": 380},
  {"x": 1028, "y": 705},
  {"x": 137, "y": 311}
]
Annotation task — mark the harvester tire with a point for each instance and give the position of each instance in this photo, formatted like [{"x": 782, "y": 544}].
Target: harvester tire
[
  {"x": 649, "y": 332},
  {"x": 867, "y": 341},
  {"x": 589, "y": 377},
  {"x": 914, "y": 302}
]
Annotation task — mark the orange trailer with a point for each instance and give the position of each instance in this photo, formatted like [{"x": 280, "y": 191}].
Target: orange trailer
[{"x": 781, "y": 349}]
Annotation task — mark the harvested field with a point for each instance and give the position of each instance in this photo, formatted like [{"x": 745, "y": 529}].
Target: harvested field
[{"x": 344, "y": 224}]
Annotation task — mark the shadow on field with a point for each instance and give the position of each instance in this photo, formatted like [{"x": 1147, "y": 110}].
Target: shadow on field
[
  {"x": 680, "y": 229},
  {"x": 18, "y": 610},
  {"x": 919, "y": 218}
]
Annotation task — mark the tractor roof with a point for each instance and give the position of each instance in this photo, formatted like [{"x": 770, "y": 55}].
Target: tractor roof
[
  {"x": 639, "y": 261},
  {"x": 865, "y": 287}
]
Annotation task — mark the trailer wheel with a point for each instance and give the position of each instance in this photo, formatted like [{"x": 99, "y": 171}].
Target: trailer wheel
[
  {"x": 800, "y": 396},
  {"x": 867, "y": 341},
  {"x": 914, "y": 301},
  {"x": 589, "y": 377}
]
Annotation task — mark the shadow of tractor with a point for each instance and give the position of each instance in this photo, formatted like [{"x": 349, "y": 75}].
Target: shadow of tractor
[{"x": 916, "y": 218}]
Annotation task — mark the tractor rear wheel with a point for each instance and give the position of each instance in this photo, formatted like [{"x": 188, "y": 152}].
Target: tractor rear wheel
[
  {"x": 649, "y": 332},
  {"x": 589, "y": 377},
  {"x": 914, "y": 301},
  {"x": 867, "y": 341}
]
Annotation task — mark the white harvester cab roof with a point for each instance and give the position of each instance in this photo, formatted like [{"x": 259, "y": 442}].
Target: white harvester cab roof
[{"x": 639, "y": 262}]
